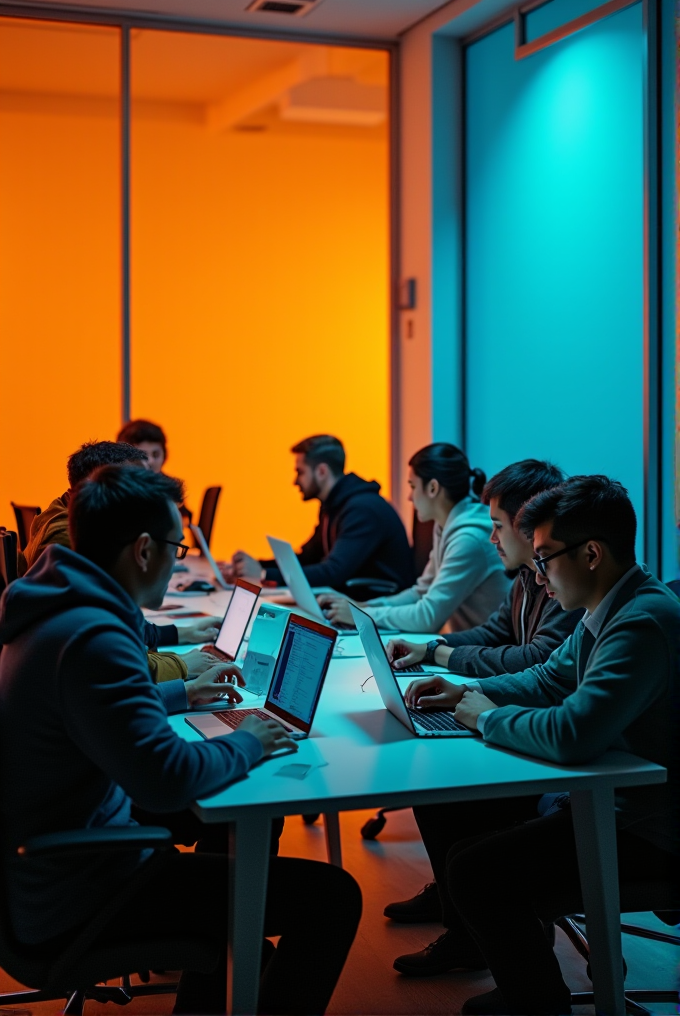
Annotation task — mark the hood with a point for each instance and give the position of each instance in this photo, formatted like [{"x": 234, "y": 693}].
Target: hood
[
  {"x": 348, "y": 487},
  {"x": 469, "y": 513},
  {"x": 60, "y": 581}
]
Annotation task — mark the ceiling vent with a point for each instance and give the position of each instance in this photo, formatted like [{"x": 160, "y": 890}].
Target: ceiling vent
[{"x": 296, "y": 7}]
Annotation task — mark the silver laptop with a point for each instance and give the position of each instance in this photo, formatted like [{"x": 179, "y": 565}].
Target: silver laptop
[
  {"x": 205, "y": 549},
  {"x": 419, "y": 722},
  {"x": 295, "y": 687},
  {"x": 236, "y": 620},
  {"x": 297, "y": 582}
]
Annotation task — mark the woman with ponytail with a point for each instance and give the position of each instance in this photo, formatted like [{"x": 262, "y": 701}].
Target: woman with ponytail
[{"x": 464, "y": 580}]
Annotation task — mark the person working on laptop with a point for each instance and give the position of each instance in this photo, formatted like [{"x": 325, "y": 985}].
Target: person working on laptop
[
  {"x": 359, "y": 534},
  {"x": 148, "y": 437},
  {"x": 51, "y": 527},
  {"x": 502, "y": 870},
  {"x": 83, "y": 734},
  {"x": 525, "y": 630},
  {"x": 464, "y": 580}
]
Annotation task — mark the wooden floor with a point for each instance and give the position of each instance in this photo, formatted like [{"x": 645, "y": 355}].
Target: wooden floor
[{"x": 394, "y": 867}]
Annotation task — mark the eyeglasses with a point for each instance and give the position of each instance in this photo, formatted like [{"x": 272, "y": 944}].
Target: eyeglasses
[
  {"x": 182, "y": 549},
  {"x": 541, "y": 562}
]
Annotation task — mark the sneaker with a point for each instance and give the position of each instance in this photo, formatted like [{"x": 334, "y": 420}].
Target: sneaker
[
  {"x": 437, "y": 958},
  {"x": 422, "y": 908}
]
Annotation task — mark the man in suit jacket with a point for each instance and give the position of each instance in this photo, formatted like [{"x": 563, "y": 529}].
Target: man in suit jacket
[{"x": 612, "y": 684}]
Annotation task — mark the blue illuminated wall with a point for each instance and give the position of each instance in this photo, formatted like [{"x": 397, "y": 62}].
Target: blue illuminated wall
[{"x": 554, "y": 248}]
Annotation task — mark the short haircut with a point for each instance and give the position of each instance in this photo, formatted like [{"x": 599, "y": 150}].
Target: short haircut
[
  {"x": 115, "y": 505},
  {"x": 138, "y": 431},
  {"x": 450, "y": 467},
  {"x": 101, "y": 453},
  {"x": 322, "y": 448},
  {"x": 520, "y": 481},
  {"x": 585, "y": 508}
]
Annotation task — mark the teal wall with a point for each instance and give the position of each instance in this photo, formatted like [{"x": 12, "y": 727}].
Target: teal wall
[{"x": 554, "y": 248}]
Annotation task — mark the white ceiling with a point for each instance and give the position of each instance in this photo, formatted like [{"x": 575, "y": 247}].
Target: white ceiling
[{"x": 371, "y": 19}]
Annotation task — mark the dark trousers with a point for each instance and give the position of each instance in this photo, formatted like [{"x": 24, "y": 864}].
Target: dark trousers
[
  {"x": 314, "y": 907},
  {"x": 501, "y": 885},
  {"x": 188, "y": 830}
]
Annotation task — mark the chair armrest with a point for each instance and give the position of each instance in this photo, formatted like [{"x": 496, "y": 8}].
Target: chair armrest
[
  {"x": 376, "y": 587},
  {"x": 75, "y": 841}
]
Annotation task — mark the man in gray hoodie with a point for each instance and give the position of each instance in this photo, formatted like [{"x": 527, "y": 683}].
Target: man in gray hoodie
[
  {"x": 84, "y": 732},
  {"x": 612, "y": 684}
]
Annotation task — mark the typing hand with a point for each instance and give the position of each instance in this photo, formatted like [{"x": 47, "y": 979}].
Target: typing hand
[
  {"x": 336, "y": 608},
  {"x": 198, "y": 662},
  {"x": 246, "y": 567},
  {"x": 404, "y": 654},
  {"x": 215, "y": 683},
  {"x": 204, "y": 630},
  {"x": 471, "y": 706},
  {"x": 269, "y": 733},
  {"x": 433, "y": 693}
]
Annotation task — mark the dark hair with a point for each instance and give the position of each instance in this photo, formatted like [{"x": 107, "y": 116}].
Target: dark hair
[
  {"x": 100, "y": 453},
  {"x": 522, "y": 480},
  {"x": 322, "y": 448},
  {"x": 113, "y": 506},
  {"x": 585, "y": 508},
  {"x": 450, "y": 467},
  {"x": 137, "y": 431}
]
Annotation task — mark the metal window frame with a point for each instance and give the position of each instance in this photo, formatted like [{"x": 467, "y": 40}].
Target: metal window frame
[
  {"x": 652, "y": 421},
  {"x": 125, "y": 22}
]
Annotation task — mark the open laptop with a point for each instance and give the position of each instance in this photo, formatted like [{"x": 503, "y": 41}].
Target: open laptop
[
  {"x": 419, "y": 722},
  {"x": 295, "y": 687},
  {"x": 205, "y": 550},
  {"x": 236, "y": 620},
  {"x": 297, "y": 583}
]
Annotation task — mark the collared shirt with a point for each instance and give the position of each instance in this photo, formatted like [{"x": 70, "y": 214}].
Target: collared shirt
[{"x": 593, "y": 622}]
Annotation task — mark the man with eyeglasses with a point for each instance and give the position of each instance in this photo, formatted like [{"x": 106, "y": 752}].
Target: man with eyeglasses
[{"x": 508, "y": 868}]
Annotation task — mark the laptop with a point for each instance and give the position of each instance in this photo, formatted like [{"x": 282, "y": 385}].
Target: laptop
[
  {"x": 297, "y": 583},
  {"x": 205, "y": 550},
  {"x": 419, "y": 722},
  {"x": 295, "y": 687},
  {"x": 236, "y": 620}
]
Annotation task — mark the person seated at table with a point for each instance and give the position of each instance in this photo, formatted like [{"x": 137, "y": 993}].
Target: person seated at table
[
  {"x": 84, "y": 733},
  {"x": 148, "y": 437},
  {"x": 51, "y": 527},
  {"x": 359, "y": 534},
  {"x": 463, "y": 581},
  {"x": 502, "y": 870},
  {"x": 525, "y": 630}
]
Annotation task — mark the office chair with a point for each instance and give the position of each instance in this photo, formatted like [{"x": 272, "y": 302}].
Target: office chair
[
  {"x": 77, "y": 971},
  {"x": 206, "y": 518},
  {"x": 361, "y": 589},
  {"x": 662, "y": 899},
  {"x": 24, "y": 515},
  {"x": 8, "y": 557}
]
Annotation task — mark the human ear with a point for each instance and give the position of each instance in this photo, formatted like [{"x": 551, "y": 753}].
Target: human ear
[
  {"x": 142, "y": 551},
  {"x": 593, "y": 555}
]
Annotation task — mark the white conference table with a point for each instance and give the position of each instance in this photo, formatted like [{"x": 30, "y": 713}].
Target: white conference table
[{"x": 362, "y": 757}]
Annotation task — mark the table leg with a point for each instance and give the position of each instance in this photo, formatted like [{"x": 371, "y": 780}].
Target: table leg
[
  {"x": 331, "y": 822},
  {"x": 249, "y": 846},
  {"x": 595, "y": 831}
]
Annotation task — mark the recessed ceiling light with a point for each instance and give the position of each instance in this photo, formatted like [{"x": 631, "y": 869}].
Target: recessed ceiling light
[{"x": 295, "y": 7}]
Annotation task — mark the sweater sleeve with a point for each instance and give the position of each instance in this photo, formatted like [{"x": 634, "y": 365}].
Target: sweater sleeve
[
  {"x": 156, "y": 635},
  {"x": 167, "y": 667},
  {"x": 546, "y": 684},
  {"x": 463, "y": 568},
  {"x": 174, "y": 696},
  {"x": 627, "y": 670},
  {"x": 311, "y": 552},
  {"x": 355, "y": 543},
  {"x": 116, "y": 716}
]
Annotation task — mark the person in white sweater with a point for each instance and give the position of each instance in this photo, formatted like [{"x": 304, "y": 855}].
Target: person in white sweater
[{"x": 464, "y": 581}]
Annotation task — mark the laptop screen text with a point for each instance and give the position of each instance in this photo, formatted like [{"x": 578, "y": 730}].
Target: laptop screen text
[{"x": 299, "y": 673}]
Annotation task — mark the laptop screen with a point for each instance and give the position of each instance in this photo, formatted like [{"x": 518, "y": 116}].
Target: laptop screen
[
  {"x": 236, "y": 619},
  {"x": 300, "y": 670}
]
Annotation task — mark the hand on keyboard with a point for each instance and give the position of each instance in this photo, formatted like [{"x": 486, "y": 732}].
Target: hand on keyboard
[{"x": 269, "y": 733}]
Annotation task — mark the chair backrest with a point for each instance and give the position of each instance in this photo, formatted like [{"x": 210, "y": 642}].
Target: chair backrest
[
  {"x": 8, "y": 557},
  {"x": 674, "y": 586},
  {"x": 422, "y": 542},
  {"x": 208, "y": 509},
  {"x": 24, "y": 515}
]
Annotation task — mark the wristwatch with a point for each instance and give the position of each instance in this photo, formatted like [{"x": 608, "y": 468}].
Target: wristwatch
[{"x": 430, "y": 651}]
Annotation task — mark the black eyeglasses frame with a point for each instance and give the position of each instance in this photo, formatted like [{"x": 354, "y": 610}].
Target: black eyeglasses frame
[{"x": 541, "y": 562}]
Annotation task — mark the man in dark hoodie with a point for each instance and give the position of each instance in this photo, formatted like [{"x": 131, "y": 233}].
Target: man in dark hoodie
[
  {"x": 359, "y": 534},
  {"x": 84, "y": 733}
]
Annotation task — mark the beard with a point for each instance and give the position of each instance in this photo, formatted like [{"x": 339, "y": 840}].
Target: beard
[{"x": 311, "y": 492}]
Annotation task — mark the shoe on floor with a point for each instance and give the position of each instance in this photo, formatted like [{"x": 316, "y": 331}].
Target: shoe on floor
[
  {"x": 424, "y": 907},
  {"x": 437, "y": 958},
  {"x": 492, "y": 1003}
]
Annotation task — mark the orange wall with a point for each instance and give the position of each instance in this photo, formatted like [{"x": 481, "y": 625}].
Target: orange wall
[{"x": 260, "y": 300}]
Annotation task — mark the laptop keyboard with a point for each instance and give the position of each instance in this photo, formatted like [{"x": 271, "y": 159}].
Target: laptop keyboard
[
  {"x": 234, "y": 717},
  {"x": 435, "y": 721},
  {"x": 415, "y": 668}
]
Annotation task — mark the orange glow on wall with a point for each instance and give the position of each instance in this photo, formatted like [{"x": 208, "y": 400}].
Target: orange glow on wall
[{"x": 259, "y": 265}]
